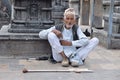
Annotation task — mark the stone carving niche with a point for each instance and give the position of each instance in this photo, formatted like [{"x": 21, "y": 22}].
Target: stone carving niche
[{"x": 31, "y": 16}]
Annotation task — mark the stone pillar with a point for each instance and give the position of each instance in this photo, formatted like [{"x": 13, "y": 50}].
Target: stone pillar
[
  {"x": 97, "y": 22},
  {"x": 76, "y": 5},
  {"x": 84, "y": 11},
  {"x": 0, "y": 3}
]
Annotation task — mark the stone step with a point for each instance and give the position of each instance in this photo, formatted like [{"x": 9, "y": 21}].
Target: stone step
[
  {"x": 107, "y": 2},
  {"x": 24, "y": 48},
  {"x": 103, "y": 36},
  {"x": 23, "y": 45},
  {"x": 24, "y": 30},
  {"x": 106, "y": 6},
  {"x": 117, "y": 9},
  {"x": 115, "y": 18},
  {"x": 19, "y": 36},
  {"x": 115, "y": 43},
  {"x": 116, "y": 23},
  {"x": 116, "y": 15}
]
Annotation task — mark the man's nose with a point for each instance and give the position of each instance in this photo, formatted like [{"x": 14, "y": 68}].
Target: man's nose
[{"x": 69, "y": 21}]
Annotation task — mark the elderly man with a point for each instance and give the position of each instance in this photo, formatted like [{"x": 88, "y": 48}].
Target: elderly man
[{"x": 68, "y": 43}]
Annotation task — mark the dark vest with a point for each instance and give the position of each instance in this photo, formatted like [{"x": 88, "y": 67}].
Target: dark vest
[{"x": 74, "y": 30}]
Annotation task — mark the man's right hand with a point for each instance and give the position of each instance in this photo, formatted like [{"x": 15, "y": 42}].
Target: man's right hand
[{"x": 58, "y": 33}]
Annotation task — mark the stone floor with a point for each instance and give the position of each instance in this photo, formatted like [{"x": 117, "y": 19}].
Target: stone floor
[{"x": 104, "y": 63}]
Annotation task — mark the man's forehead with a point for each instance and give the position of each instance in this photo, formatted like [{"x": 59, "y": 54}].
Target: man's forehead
[{"x": 69, "y": 16}]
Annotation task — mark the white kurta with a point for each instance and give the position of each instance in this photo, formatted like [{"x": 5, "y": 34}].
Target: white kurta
[{"x": 68, "y": 50}]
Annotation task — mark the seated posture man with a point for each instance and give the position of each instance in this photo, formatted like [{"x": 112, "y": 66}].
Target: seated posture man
[{"x": 68, "y": 43}]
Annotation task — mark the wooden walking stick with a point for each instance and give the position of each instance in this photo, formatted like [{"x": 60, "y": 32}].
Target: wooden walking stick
[{"x": 68, "y": 70}]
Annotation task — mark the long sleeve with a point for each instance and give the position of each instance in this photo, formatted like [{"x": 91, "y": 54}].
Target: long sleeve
[
  {"x": 44, "y": 33},
  {"x": 83, "y": 40}
]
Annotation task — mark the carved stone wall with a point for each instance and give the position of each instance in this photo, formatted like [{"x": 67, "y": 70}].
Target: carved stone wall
[
  {"x": 4, "y": 15},
  {"x": 35, "y": 15}
]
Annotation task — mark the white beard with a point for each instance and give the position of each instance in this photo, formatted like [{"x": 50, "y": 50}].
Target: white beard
[{"x": 69, "y": 26}]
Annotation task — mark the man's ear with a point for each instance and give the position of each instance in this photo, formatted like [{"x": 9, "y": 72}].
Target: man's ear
[{"x": 75, "y": 21}]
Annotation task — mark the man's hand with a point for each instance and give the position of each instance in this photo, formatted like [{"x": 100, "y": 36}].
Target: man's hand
[
  {"x": 65, "y": 43},
  {"x": 58, "y": 33}
]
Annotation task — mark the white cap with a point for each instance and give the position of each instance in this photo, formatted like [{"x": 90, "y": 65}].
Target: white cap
[{"x": 69, "y": 11}]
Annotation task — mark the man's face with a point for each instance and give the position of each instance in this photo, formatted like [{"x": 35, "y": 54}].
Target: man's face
[{"x": 69, "y": 21}]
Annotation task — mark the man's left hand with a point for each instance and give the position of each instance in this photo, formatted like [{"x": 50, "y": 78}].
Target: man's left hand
[{"x": 65, "y": 43}]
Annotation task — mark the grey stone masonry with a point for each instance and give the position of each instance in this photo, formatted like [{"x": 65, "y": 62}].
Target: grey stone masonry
[
  {"x": 22, "y": 44},
  {"x": 106, "y": 4},
  {"x": 98, "y": 13},
  {"x": 117, "y": 9},
  {"x": 76, "y": 5},
  {"x": 4, "y": 14},
  {"x": 84, "y": 12},
  {"x": 115, "y": 37},
  {"x": 31, "y": 16},
  {"x": 116, "y": 16}
]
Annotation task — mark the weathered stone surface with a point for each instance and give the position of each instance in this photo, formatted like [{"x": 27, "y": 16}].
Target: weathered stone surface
[
  {"x": 106, "y": 6},
  {"x": 85, "y": 10},
  {"x": 76, "y": 5},
  {"x": 107, "y": 2},
  {"x": 35, "y": 15},
  {"x": 22, "y": 44},
  {"x": 115, "y": 26},
  {"x": 116, "y": 23},
  {"x": 103, "y": 38},
  {"x": 98, "y": 13},
  {"x": 26, "y": 48},
  {"x": 4, "y": 16},
  {"x": 117, "y": 9}
]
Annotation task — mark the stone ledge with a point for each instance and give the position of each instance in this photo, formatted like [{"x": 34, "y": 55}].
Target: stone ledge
[
  {"x": 103, "y": 36},
  {"x": 22, "y": 44},
  {"x": 117, "y": 9},
  {"x": 74, "y": 1},
  {"x": 115, "y": 43},
  {"x": 24, "y": 48},
  {"x": 107, "y": 2},
  {"x": 115, "y": 19},
  {"x": 116, "y": 15},
  {"x": 19, "y": 36}
]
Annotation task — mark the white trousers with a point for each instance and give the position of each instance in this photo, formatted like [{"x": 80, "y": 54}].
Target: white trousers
[{"x": 82, "y": 52}]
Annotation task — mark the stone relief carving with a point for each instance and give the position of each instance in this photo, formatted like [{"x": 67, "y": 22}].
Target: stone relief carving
[
  {"x": 33, "y": 11},
  {"x": 35, "y": 15},
  {"x": 58, "y": 2},
  {"x": 3, "y": 13}
]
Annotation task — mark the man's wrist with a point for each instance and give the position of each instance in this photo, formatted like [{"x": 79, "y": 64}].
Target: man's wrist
[{"x": 70, "y": 43}]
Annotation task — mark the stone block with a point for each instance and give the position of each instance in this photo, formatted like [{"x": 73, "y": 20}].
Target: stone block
[
  {"x": 116, "y": 23},
  {"x": 115, "y": 27},
  {"x": 24, "y": 48},
  {"x": 102, "y": 35},
  {"x": 117, "y": 9}
]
